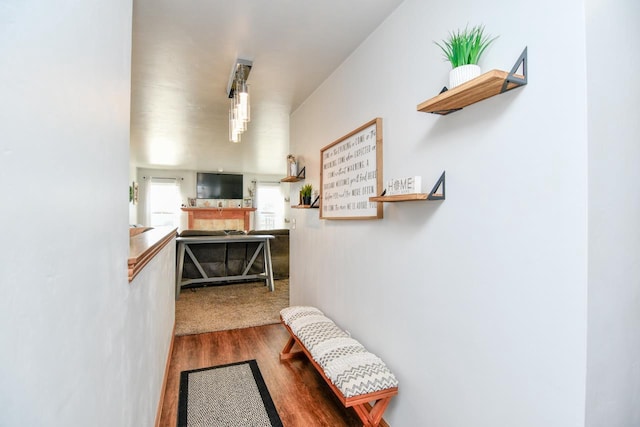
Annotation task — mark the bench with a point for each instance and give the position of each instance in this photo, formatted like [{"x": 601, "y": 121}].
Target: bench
[{"x": 356, "y": 376}]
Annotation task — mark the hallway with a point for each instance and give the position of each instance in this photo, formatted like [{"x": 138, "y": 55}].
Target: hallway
[{"x": 300, "y": 395}]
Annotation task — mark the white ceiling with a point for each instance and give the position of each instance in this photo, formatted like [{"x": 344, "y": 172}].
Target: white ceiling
[{"x": 183, "y": 52}]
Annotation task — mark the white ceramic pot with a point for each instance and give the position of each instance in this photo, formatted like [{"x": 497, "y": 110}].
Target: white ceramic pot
[{"x": 462, "y": 74}]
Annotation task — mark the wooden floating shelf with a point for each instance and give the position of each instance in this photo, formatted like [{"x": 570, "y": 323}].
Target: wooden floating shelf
[
  {"x": 437, "y": 193},
  {"x": 301, "y": 175},
  {"x": 313, "y": 205},
  {"x": 482, "y": 87},
  {"x": 400, "y": 198},
  {"x": 291, "y": 179}
]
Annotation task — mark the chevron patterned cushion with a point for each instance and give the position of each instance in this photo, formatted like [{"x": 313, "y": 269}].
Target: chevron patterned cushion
[
  {"x": 302, "y": 322},
  {"x": 290, "y": 314},
  {"x": 315, "y": 332},
  {"x": 335, "y": 348},
  {"x": 359, "y": 373},
  {"x": 351, "y": 368}
]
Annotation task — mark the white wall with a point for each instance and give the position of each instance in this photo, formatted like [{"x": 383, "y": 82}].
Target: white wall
[
  {"x": 613, "y": 376},
  {"x": 477, "y": 303},
  {"x": 80, "y": 345},
  {"x": 151, "y": 309}
]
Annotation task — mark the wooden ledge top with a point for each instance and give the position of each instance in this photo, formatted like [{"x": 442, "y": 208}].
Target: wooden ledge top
[
  {"x": 144, "y": 246},
  {"x": 213, "y": 208},
  {"x": 482, "y": 87}
]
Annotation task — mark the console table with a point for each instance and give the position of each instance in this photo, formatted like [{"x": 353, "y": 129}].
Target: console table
[
  {"x": 219, "y": 218},
  {"x": 184, "y": 244}
]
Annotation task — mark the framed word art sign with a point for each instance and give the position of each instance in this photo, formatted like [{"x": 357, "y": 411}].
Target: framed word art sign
[{"x": 351, "y": 173}]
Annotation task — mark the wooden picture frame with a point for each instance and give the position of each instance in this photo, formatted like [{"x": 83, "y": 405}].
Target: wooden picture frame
[{"x": 351, "y": 172}]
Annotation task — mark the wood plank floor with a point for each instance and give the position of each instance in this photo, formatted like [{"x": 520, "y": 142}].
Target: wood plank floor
[{"x": 300, "y": 395}]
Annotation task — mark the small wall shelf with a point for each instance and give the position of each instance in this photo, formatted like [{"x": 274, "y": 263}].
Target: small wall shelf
[
  {"x": 437, "y": 193},
  {"x": 299, "y": 177},
  {"x": 482, "y": 87},
  {"x": 313, "y": 205},
  {"x": 400, "y": 198}
]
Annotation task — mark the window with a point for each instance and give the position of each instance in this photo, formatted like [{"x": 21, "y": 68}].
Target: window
[
  {"x": 164, "y": 202},
  {"x": 270, "y": 206}
]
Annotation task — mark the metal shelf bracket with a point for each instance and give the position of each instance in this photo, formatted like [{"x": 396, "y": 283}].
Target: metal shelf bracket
[
  {"x": 435, "y": 194},
  {"x": 302, "y": 173},
  {"x": 511, "y": 78}
]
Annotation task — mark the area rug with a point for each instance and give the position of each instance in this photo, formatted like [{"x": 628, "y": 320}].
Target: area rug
[
  {"x": 224, "y": 307},
  {"x": 233, "y": 395}
]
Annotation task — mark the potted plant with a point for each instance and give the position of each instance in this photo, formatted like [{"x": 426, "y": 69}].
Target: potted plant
[
  {"x": 463, "y": 49},
  {"x": 305, "y": 194}
]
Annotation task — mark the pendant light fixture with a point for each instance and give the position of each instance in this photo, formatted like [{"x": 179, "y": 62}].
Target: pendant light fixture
[{"x": 238, "y": 92}]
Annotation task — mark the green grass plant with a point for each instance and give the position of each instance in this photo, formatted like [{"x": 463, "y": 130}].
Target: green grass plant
[
  {"x": 306, "y": 190},
  {"x": 465, "y": 47}
]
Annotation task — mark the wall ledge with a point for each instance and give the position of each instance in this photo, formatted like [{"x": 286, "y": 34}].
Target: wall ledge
[{"x": 144, "y": 246}]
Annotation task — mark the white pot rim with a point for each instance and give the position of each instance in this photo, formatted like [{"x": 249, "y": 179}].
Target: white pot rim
[{"x": 463, "y": 74}]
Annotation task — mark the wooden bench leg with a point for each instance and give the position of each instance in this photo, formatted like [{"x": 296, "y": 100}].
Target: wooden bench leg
[
  {"x": 286, "y": 352},
  {"x": 372, "y": 415}
]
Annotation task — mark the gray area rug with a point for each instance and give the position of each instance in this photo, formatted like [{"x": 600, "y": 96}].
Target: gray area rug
[
  {"x": 233, "y": 395},
  {"x": 240, "y": 305}
]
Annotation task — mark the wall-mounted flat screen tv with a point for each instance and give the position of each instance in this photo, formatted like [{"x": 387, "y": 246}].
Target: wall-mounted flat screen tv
[{"x": 219, "y": 186}]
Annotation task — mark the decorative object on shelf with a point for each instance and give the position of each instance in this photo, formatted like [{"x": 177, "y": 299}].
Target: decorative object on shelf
[
  {"x": 305, "y": 194},
  {"x": 437, "y": 193},
  {"x": 313, "y": 205},
  {"x": 251, "y": 189},
  {"x": 487, "y": 85},
  {"x": 407, "y": 185},
  {"x": 463, "y": 50},
  {"x": 192, "y": 202},
  {"x": 292, "y": 165},
  {"x": 299, "y": 177},
  {"x": 351, "y": 173},
  {"x": 238, "y": 92},
  {"x": 135, "y": 193}
]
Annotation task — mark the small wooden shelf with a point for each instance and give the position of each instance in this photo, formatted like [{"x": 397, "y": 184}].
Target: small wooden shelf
[
  {"x": 301, "y": 175},
  {"x": 482, "y": 87},
  {"x": 400, "y": 198},
  {"x": 291, "y": 179},
  {"x": 437, "y": 193},
  {"x": 313, "y": 205}
]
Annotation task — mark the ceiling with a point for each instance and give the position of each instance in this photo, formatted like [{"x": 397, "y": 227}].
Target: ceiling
[{"x": 183, "y": 53}]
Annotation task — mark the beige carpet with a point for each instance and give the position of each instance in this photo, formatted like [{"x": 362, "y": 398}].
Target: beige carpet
[{"x": 241, "y": 305}]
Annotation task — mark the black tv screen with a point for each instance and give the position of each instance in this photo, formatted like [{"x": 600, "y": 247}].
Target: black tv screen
[{"x": 219, "y": 186}]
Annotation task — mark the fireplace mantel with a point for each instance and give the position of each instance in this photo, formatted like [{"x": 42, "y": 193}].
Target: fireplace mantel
[{"x": 219, "y": 218}]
